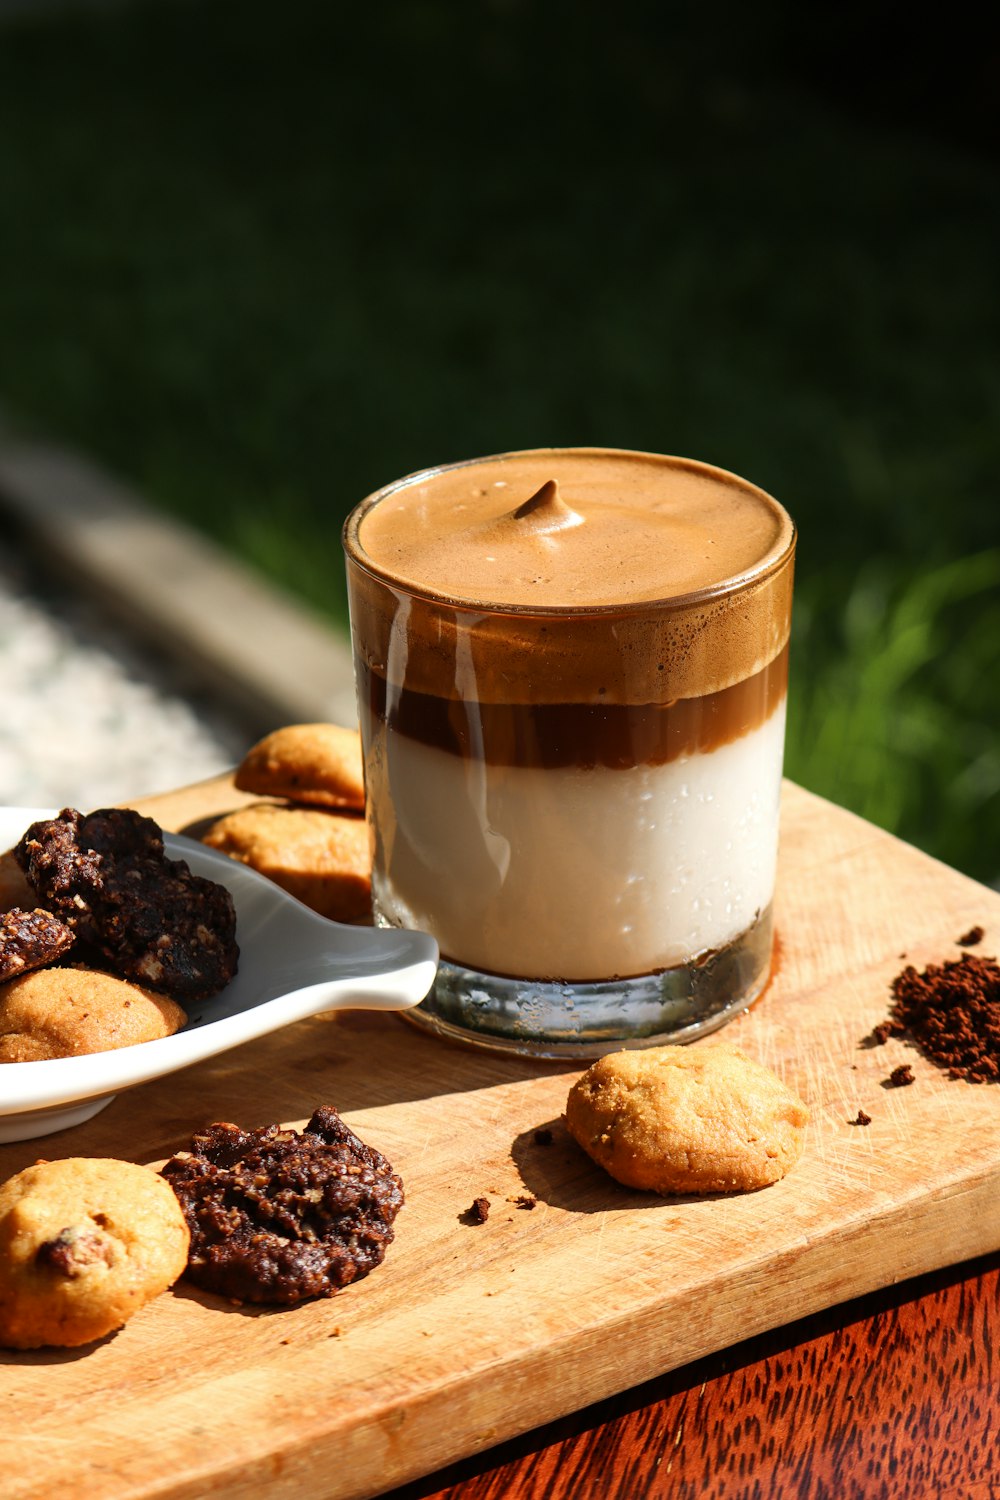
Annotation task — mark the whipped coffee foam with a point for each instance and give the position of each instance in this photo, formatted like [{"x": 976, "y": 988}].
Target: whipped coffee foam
[
  {"x": 573, "y": 529},
  {"x": 572, "y": 575}
]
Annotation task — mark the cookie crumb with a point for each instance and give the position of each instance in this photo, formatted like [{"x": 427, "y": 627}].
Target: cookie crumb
[
  {"x": 543, "y": 1137},
  {"x": 478, "y": 1212},
  {"x": 862, "y": 1118},
  {"x": 882, "y": 1032},
  {"x": 524, "y": 1200},
  {"x": 901, "y": 1076},
  {"x": 972, "y": 937}
]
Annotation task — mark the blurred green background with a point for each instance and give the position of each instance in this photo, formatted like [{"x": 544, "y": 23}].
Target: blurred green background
[{"x": 261, "y": 259}]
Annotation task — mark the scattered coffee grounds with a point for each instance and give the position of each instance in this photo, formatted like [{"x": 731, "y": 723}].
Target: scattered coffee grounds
[
  {"x": 972, "y": 937},
  {"x": 882, "y": 1032},
  {"x": 543, "y": 1137},
  {"x": 862, "y": 1118},
  {"x": 901, "y": 1076},
  {"x": 478, "y": 1213},
  {"x": 952, "y": 1011}
]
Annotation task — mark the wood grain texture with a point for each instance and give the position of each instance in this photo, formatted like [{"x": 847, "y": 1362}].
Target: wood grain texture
[
  {"x": 470, "y": 1335},
  {"x": 889, "y": 1397}
]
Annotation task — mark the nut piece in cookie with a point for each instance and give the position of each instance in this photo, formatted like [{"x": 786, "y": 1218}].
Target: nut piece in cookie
[
  {"x": 319, "y": 857},
  {"x": 280, "y": 1216},
  {"x": 31, "y": 940},
  {"x": 701, "y": 1119},
  {"x": 133, "y": 910},
  {"x": 315, "y": 763},
  {"x": 84, "y": 1244},
  {"x": 69, "y": 1012}
]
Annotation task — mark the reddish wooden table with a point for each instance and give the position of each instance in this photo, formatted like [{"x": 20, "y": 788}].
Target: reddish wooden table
[{"x": 891, "y": 1395}]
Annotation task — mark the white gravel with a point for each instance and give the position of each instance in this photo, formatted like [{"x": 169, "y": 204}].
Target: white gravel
[{"x": 88, "y": 716}]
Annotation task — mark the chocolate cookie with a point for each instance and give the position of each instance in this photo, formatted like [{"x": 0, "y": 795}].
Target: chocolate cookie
[
  {"x": 687, "y": 1119},
  {"x": 316, "y": 763},
  {"x": 84, "y": 1243},
  {"x": 321, "y": 858},
  {"x": 133, "y": 910},
  {"x": 69, "y": 1012},
  {"x": 31, "y": 940},
  {"x": 279, "y": 1216}
]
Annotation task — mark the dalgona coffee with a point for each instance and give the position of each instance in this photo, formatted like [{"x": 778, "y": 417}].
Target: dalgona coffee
[{"x": 572, "y": 667}]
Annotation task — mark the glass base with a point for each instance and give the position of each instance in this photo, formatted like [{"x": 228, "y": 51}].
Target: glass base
[{"x": 573, "y": 1020}]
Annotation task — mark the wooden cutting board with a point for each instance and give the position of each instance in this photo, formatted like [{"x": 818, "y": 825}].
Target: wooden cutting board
[{"x": 469, "y": 1334}]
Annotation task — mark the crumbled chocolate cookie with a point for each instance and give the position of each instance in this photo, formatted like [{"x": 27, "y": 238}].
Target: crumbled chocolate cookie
[
  {"x": 279, "y": 1216},
  {"x": 31, "y": 940},
  {"x": 146, "y": 917}
]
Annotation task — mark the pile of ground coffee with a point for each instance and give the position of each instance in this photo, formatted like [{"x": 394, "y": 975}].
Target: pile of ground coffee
[{"x": 952, "y": 1011}]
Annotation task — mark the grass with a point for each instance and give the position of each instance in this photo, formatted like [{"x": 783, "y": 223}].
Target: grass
[
  {"x": 889, "y": 720},
  {"x": 261, "y": 261}
]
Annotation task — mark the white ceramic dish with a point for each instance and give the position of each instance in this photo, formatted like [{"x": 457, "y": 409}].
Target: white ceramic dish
[{"x": 293, "y": 963}]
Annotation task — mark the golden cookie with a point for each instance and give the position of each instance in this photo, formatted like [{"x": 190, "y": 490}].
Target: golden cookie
[
  {"x": 315, "y": 763},
  {"x": 317, "y": 856},
  {"x": 84, "y": 1243},
  {"x": 14, "y": 887},
  {"x": 68, "y": 1012},
  {"x": 704, "y": 1119}
]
